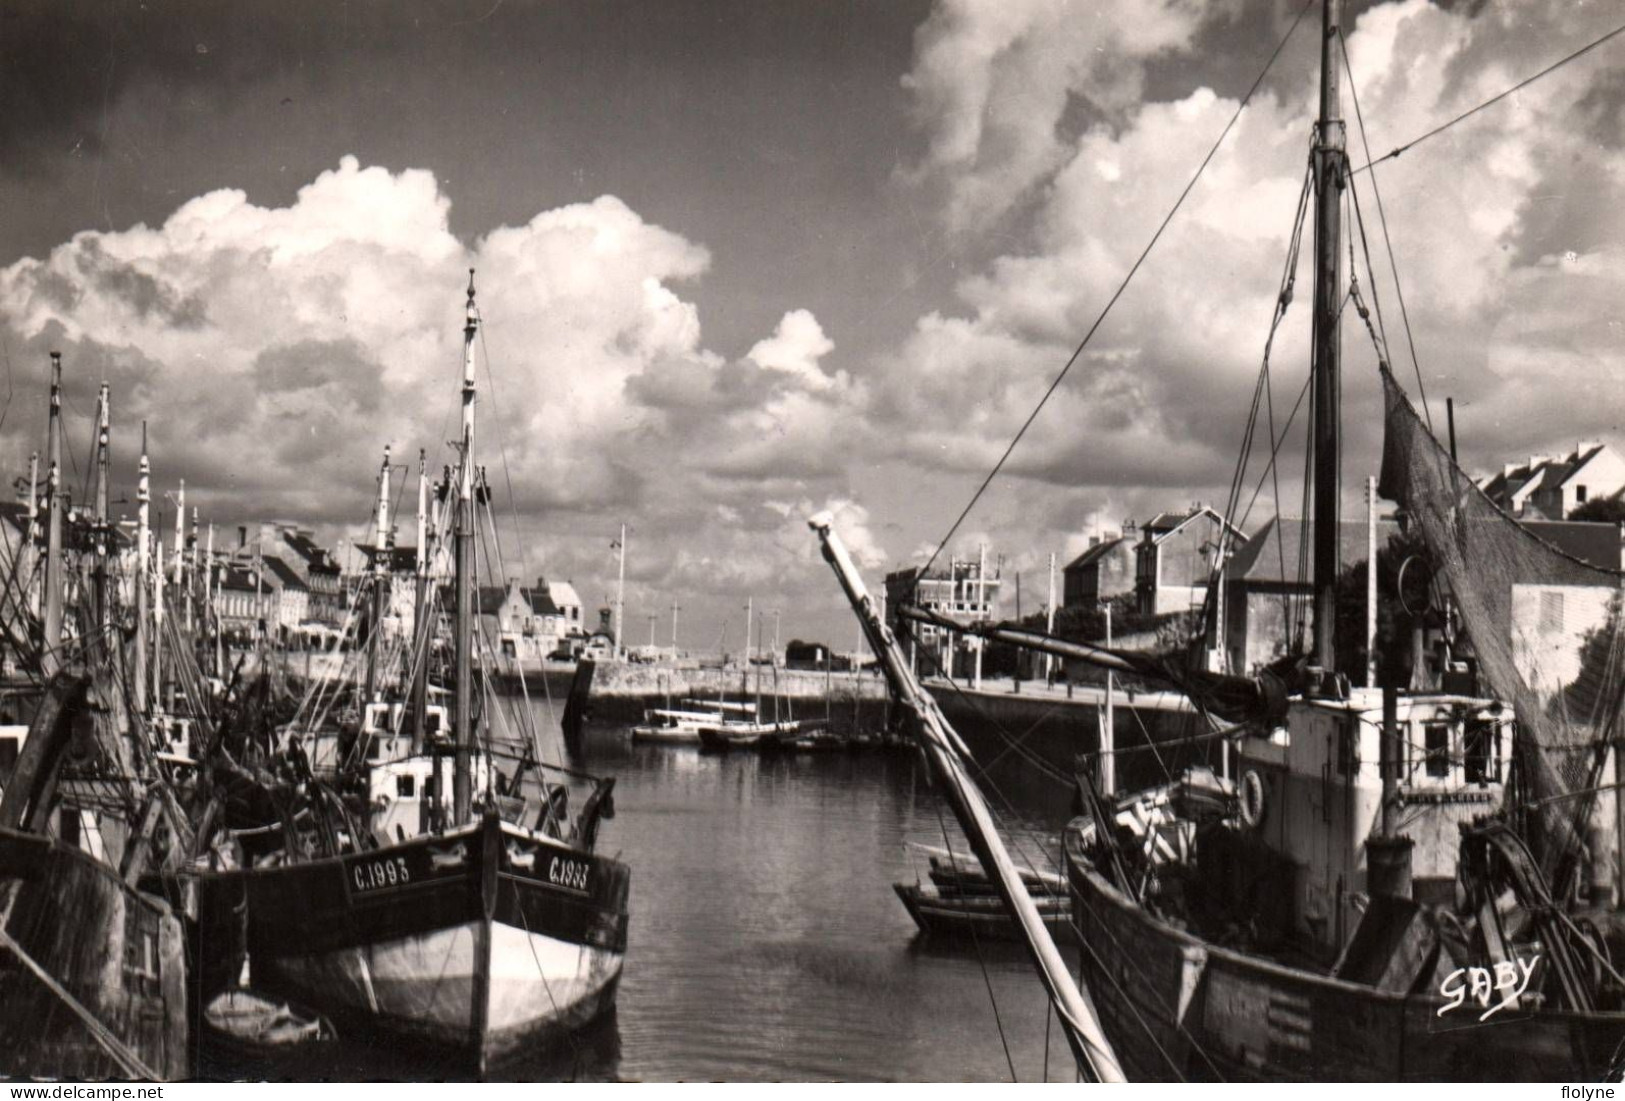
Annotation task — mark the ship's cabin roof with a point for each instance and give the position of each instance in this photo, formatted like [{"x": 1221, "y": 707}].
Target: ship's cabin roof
[{"x": 1446, "y": 741}]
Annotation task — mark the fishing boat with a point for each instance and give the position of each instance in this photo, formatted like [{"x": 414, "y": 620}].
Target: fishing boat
[
  {"x": 494, "y": 930},
  {"x": 683, "y": 724},
  {"x": 731, "y": 734},
  {"x": 1377, "y": 884},
  {"x": 93, "y": 969}
]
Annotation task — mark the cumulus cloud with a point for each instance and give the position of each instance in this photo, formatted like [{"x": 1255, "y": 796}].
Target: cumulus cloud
[
  {"x": 994, "y": 85},
  {"x": 274, "y": 351},
  {"x": 1506, "y": 231}
]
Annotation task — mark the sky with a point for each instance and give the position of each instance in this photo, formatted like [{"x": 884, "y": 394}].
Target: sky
[{"x": 740, "y": 262}]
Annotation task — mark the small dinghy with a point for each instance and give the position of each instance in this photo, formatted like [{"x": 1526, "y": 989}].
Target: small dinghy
[
  {"x": 251, "y": 1022},
  {"x": 965, "y": 916}
]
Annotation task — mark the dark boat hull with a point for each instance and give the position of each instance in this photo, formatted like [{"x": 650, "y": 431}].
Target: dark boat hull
[
  {"x": 1176, "y": 1007},
  {"x": 981, "y": 916},
  {"x": 482, "y": 940},
  {"x": 92, "y": 971}
]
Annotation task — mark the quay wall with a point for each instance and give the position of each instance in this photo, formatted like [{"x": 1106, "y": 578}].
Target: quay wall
[{"x": 623, "y": 690}]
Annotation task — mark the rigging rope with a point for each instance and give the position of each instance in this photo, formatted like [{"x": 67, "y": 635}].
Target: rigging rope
[
  {"x": 1393, "y": 266},
  {"x": 1118, "y": 293},
  {"x": 1414, "y": 142}
]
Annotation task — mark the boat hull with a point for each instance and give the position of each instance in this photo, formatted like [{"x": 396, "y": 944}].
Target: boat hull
[
  {"x": 673, "y": 734},
  {"x": 101, "y": 995},
  {"x": 1176, "y": 1007},
  {"x": 482, "y": 940},
  {"x": 981, "y": 916}
]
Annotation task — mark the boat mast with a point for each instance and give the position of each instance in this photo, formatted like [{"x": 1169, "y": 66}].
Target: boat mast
[
  {"x": 192, "y": 546},
  {"x": 462, "y": 779},
  {"x": 1331, "y": 167},
  {"x": 158, "y": 627},
  {"x": 143, "y": 563},
  {"x": 104, "y": 602},
  {"x": 944, "y": 752},
  {"x": 49, "y": 660},
  {"x": 620, "y": 597},
  {"x": 380, "y": 578},
  {"x": 31, "y": 543},
  {"x": 420, "y": 612}
]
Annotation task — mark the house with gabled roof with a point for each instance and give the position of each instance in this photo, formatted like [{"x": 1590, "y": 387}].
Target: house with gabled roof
[
  {"x": 1547, "y": 487},
  {"x": 1175, "y": 556},
  {"x": 316, "y": 567},
  {"x": 1268, "y": 591},
  {"x": 1104, "y": 570}
]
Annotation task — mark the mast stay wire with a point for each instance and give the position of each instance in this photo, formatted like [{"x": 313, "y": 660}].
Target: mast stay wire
[
  {"x": 1382, "y": 219},
  {"x": 1441, "y": 128},
  {"x": 1264, "y": 393},
  {"x": 513, "y": 508},
  {"x": 1117, "y": 294}
]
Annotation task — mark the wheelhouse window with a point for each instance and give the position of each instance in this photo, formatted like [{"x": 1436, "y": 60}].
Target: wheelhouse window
[
  {"x": 1481, "y": 752},
  {"x": 406, "y": 787},
  {"x": 1436, "y": 748}
]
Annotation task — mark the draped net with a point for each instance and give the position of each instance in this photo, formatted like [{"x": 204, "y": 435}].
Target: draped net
[{"x": 1545, "y": 628}]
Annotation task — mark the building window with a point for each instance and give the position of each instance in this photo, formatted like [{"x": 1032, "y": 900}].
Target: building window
[
  {"x": 1579, "y": 493},
  {"x": 406, "y": 787},
  {"x": 1551, "y": 611}
]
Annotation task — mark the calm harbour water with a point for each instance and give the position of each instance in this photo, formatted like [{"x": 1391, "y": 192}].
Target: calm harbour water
[{"x": 766, "y": 942}]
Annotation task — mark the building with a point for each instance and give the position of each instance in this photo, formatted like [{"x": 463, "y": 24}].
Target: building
[
  {"x": 1547, "y": 487},
  {"x": 1264, "y": 597},
  {"x": 242, "y": 602},
  {"x": 528, "y": 622},
  {"x": 964, "y": 590},
  {"x": 1175, "y": 556},
  {"x": 1105, "y": 570},
  {"x": 316, "y": 567}
]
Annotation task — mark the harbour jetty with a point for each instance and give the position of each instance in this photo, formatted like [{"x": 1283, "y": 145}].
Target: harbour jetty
[{"x": 621, "y": 690}]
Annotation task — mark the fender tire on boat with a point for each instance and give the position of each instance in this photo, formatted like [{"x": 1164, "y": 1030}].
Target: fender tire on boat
[{"x": 1252, "y": 799}]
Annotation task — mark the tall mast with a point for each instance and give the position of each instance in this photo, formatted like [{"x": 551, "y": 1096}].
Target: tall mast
[
  {"x": 143, "y": 561},
  {"x": 1331, "y": 167},
  {"x": 192, "y": 547},
  {"x": 104, "y": 603},
  {"x": 420, "y": 613},
  {"x": 380, "y": 576},
  {"x": 158, "y": 627},
  {"x": 208, "y": 598},
  {"x": 49, "y": 662},
  {"x": 620, "y": 597},
  {"x": 180, "y": 535},
  {"x": 462, "y": 781},
  {"x": 30, "y": 544}
]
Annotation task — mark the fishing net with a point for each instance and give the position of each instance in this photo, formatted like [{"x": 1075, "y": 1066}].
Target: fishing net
[{"x": 1544, "y": 626}]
